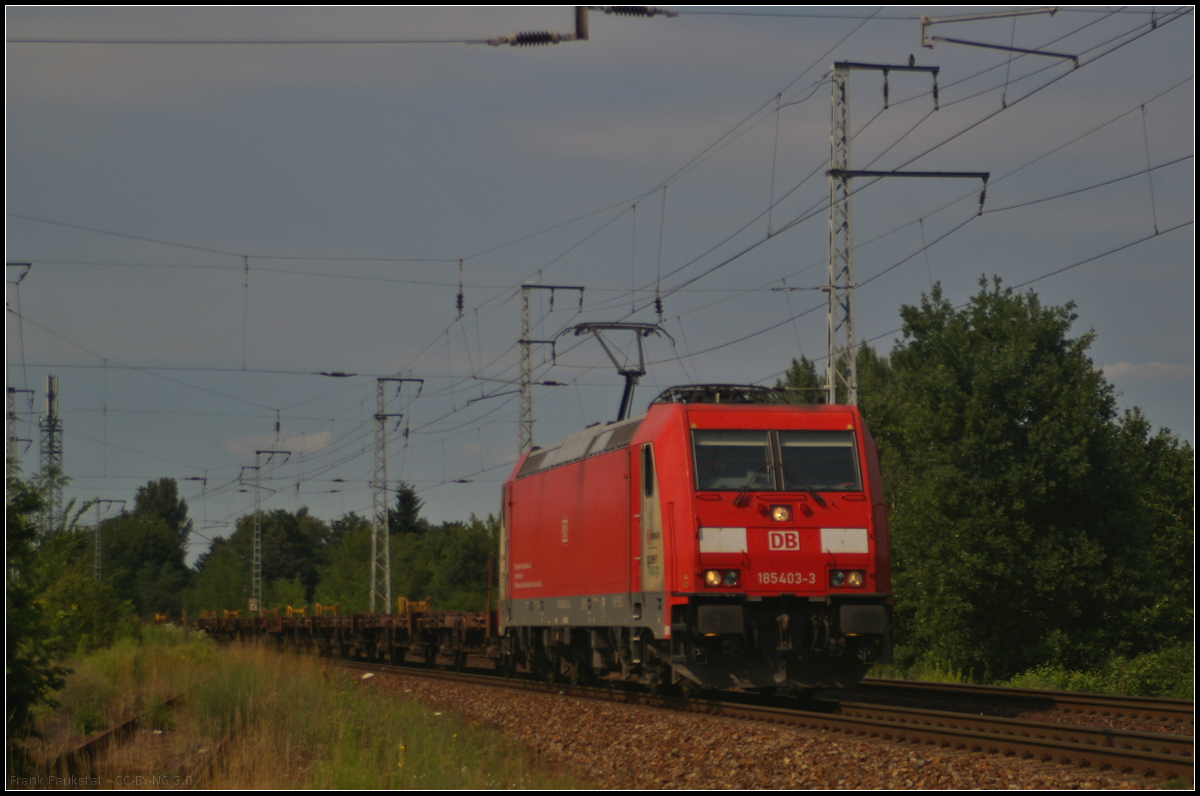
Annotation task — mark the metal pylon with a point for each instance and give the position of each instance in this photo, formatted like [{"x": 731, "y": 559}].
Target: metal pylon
[
  {"x": 841, "y": 370},
  {"x": 256, "y": 560},
  {"x": 381, "y": 539},
  {"x": 525, "y": 410},
  {"x": 51, "y": 449},
  {"x": 381, "y": 548},
  {"x": 841, "y": 367},
  {"x": 97, "y": 571},
  {"x": 256, "y": 556},
  {"x": 525, "y": 387},
  {"x": 13, "y": 455}
]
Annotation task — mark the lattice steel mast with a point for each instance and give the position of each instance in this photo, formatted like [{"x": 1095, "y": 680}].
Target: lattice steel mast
[
  {"x": 841, "y": 369},
  {"x": 97, "y": 572},
  {"x": 841, "y": 366},
  {"x": 13, "y": 458},
  {"x": 256, "y": 559},
  {"x": 381, "y": 546},
  {"x": 52, "y": 463},
  {"x": 525, "y": 410}
]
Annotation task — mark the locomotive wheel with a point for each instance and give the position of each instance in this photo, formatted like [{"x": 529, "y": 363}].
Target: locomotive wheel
[
  {"x": 570, "y": 671},
  {"x": 654, "y": 677}
]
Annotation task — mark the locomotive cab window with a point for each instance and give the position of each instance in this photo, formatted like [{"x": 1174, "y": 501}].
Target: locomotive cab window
[
  {"x": 732, "y": 460},
  {"x": 820, "y": 460},
  {"x": 764, "y": 461}
]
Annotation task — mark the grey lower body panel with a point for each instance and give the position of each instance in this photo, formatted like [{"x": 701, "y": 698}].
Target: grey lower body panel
[
  {"x": 713, "y": 641},
  {"x": 639, "y": 609}
]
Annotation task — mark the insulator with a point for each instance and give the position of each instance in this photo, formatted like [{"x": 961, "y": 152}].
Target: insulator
[
  {"x": 460, "y": 303},
  {"x": 935, "y": 94},
  {"x": 658, "y": 306},
  {"x": 982, "y": 197},
  {"x": 534, "y": 38},
  {"x": 885, "y": 89},
  {"x": 632, "y": 11}
]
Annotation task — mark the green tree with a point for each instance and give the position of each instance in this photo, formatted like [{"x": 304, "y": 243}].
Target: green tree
[
  {"x": 460, "y": 578},
  {"x": 345, "y": 579},
  {"x": 161, "y": 499},
  {"x": 31, "y": 671},
  {"x": 1018, "y": 530},
  {"x": 143, "y": 559},
  {"x": 222, "y": 581},
  {"x": 803, "y": 384},
  {"x": 406, "y": 517},
  {"x": 1161, "y": 477},
  {"x": 144, "y": 551},
  {"x": 85, "y": 613},
  {"x": 295, "y": 546}
]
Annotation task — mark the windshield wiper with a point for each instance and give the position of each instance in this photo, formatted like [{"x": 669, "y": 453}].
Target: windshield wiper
[
  {"x": 811, "y": 491},
  {"x": 743, "y": 497}
]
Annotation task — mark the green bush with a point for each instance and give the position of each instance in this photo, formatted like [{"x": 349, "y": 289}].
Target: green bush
[{"x": 1166, "y": 673}]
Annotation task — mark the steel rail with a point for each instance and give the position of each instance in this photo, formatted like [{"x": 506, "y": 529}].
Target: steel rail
[
  {"x": 1102, "y": 705},
  {"x": 91, "y": 746},
  {"x": 1108, "y": 737}
]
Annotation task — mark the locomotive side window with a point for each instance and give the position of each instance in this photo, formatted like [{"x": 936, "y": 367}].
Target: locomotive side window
[
  {"x": 819, "y": 460},
  {"x": 647, "y": 471},
  {"x": 732, "y": 460}
]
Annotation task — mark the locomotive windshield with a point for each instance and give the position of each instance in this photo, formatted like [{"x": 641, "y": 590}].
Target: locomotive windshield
[
  {"x": 822, "y": 460},
  {"x": 733, "y": 460},
  {"x": 776, "y": 461}
]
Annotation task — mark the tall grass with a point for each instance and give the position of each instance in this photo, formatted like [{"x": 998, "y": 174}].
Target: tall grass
[
  {"x": 109, "y": 685},
  {"x": 298, "y": 722},
  {"x": 271, "y": 719}
]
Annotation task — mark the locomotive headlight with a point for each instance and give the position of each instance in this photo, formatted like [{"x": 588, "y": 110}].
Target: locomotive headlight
[
  {"x": 716, "y": 578},
  {"x": 851, "y": 578},
  {"x": 781, "y": 513}
]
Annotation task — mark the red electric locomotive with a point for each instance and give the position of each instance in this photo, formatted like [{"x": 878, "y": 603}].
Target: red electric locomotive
[{"x": 721, "y": 540}]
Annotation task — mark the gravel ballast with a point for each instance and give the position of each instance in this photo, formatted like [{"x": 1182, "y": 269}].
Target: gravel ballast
[{"x": 608, "y": 745}]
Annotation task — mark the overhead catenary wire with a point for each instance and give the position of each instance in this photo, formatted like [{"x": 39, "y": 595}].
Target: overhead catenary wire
[{"x": 635, "y": 286}]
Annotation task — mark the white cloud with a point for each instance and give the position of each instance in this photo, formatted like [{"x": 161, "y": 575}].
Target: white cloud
[{"x": 1149, "y": 371}]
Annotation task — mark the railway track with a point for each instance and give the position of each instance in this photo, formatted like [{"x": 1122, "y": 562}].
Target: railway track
[
  {"x": 1177, "y": 712},
  {"x": 89, "y": 748},
  {"x": 1149, "y": 754}
]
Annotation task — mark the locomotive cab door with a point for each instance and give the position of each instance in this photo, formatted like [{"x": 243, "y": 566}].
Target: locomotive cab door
[{"x": 650, "y": 547}]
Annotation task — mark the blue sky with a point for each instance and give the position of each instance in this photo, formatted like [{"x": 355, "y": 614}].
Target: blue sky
[{"x": 212, "y": 226}]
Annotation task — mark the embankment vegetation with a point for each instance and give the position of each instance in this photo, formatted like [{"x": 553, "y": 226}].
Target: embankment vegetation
[{"x": 251, "y": 717}]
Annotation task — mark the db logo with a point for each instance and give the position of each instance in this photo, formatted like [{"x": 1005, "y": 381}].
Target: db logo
[{"x": 783, "y": 540}]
